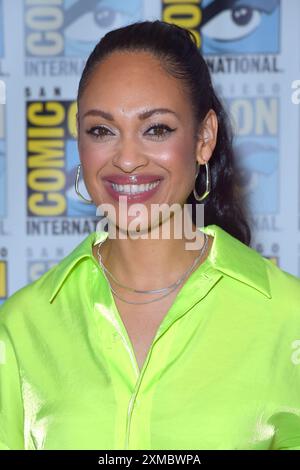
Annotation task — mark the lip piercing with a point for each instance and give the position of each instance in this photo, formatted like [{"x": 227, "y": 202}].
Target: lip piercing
[{"x": 132, "y": 178}]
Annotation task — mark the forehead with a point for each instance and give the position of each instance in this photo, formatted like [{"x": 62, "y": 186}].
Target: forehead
[{"x": 127, "y": 77}]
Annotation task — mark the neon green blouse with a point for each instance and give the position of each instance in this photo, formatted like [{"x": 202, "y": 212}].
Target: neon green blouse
[{"x": 223, "y": 371}]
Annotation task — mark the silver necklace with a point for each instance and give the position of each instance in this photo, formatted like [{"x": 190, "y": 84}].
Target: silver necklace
[{"x": 169, "y": 289}]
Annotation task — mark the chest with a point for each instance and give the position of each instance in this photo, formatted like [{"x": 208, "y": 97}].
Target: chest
[{"x": 142, "y": 321}]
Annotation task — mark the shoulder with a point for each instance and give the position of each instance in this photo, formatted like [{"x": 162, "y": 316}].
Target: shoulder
[
  {"x": 240, "y": 262},
  {"x": 34, "y": 298},
  {"x": 279, "y": 276},
  {"x": 29, "y": 298},
  {"x": 284, "y": 286}
]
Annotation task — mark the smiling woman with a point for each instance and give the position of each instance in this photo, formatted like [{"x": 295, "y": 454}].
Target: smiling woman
[{"x": 138, "y": 342}]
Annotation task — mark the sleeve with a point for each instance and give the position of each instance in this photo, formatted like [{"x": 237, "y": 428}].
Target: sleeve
[{"x": 11, "y": 404}]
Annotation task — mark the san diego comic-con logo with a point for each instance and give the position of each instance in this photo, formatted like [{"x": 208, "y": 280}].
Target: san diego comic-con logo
[
  {"x": 52, "y": 159},
  {"x": 228, "y": 27},
  {"x": 71, "y": 28},
  {"x": 242, "y": 36}
]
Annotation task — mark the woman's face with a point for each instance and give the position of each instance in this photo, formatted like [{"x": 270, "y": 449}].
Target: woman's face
[{"x": 159, "y": 146}]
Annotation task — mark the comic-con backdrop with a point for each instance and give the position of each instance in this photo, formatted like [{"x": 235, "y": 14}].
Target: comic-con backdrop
[{"x": 252, "y": 48}]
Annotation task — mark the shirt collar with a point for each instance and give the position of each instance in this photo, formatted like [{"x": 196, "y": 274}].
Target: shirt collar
[
  {"x": 227, "y": 254},
  {"x": 237, "y": 260},
  {"x": 65, "y": 266}
]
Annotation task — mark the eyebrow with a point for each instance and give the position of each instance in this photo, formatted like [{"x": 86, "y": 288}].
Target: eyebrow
[{"x": 142, "y": 116}]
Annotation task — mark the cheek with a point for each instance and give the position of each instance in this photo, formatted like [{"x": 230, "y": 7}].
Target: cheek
[
  {"x": 178, "y": 158},
  {"x": 92, "y": 159}
]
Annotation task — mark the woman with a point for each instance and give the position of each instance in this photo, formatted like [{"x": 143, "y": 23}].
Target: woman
[{"x": 142, "y": 343}]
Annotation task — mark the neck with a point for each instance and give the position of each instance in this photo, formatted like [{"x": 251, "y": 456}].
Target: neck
[{"x": 152, "y": 263}]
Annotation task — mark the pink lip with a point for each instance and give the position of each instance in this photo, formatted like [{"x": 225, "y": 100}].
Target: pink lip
[
  {"x": 130, "y": 198},
  {"x": 132, "y": 179}
]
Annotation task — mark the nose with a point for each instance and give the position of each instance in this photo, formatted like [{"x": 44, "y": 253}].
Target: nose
[{"x": 130, "y": 156}]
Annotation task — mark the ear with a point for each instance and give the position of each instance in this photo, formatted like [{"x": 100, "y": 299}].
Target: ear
[{"x": 207, "y": 138}]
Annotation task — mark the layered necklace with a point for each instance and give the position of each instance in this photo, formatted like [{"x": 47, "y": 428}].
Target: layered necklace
[{"x": 165, "y": 290}]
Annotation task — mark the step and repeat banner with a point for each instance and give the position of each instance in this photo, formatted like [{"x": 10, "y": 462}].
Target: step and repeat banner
[{"x": 253, "y": 52}]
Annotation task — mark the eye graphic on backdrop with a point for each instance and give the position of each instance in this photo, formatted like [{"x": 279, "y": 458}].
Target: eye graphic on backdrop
[
  {"x": 90, "y": 25},
  {"x": 232, "y": 24},
  {"x": 236, "y": 26},
  {"x": 86, "y": 21}
]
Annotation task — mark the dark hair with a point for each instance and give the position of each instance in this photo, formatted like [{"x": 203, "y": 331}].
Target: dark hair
[{"x": 179, "y": 55}]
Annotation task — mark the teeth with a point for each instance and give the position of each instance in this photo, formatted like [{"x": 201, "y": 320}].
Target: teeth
[{"x": 134, "y": 188}]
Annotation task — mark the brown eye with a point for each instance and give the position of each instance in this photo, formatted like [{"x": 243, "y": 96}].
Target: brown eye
[
  {"x": 162, "y": 130},
  {"x": 98, "y": 131}
]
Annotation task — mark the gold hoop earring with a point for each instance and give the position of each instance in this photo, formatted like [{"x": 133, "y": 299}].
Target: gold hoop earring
[
  {"x": 89, "y": 201},
  {"x": 208, "y": 184}
]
